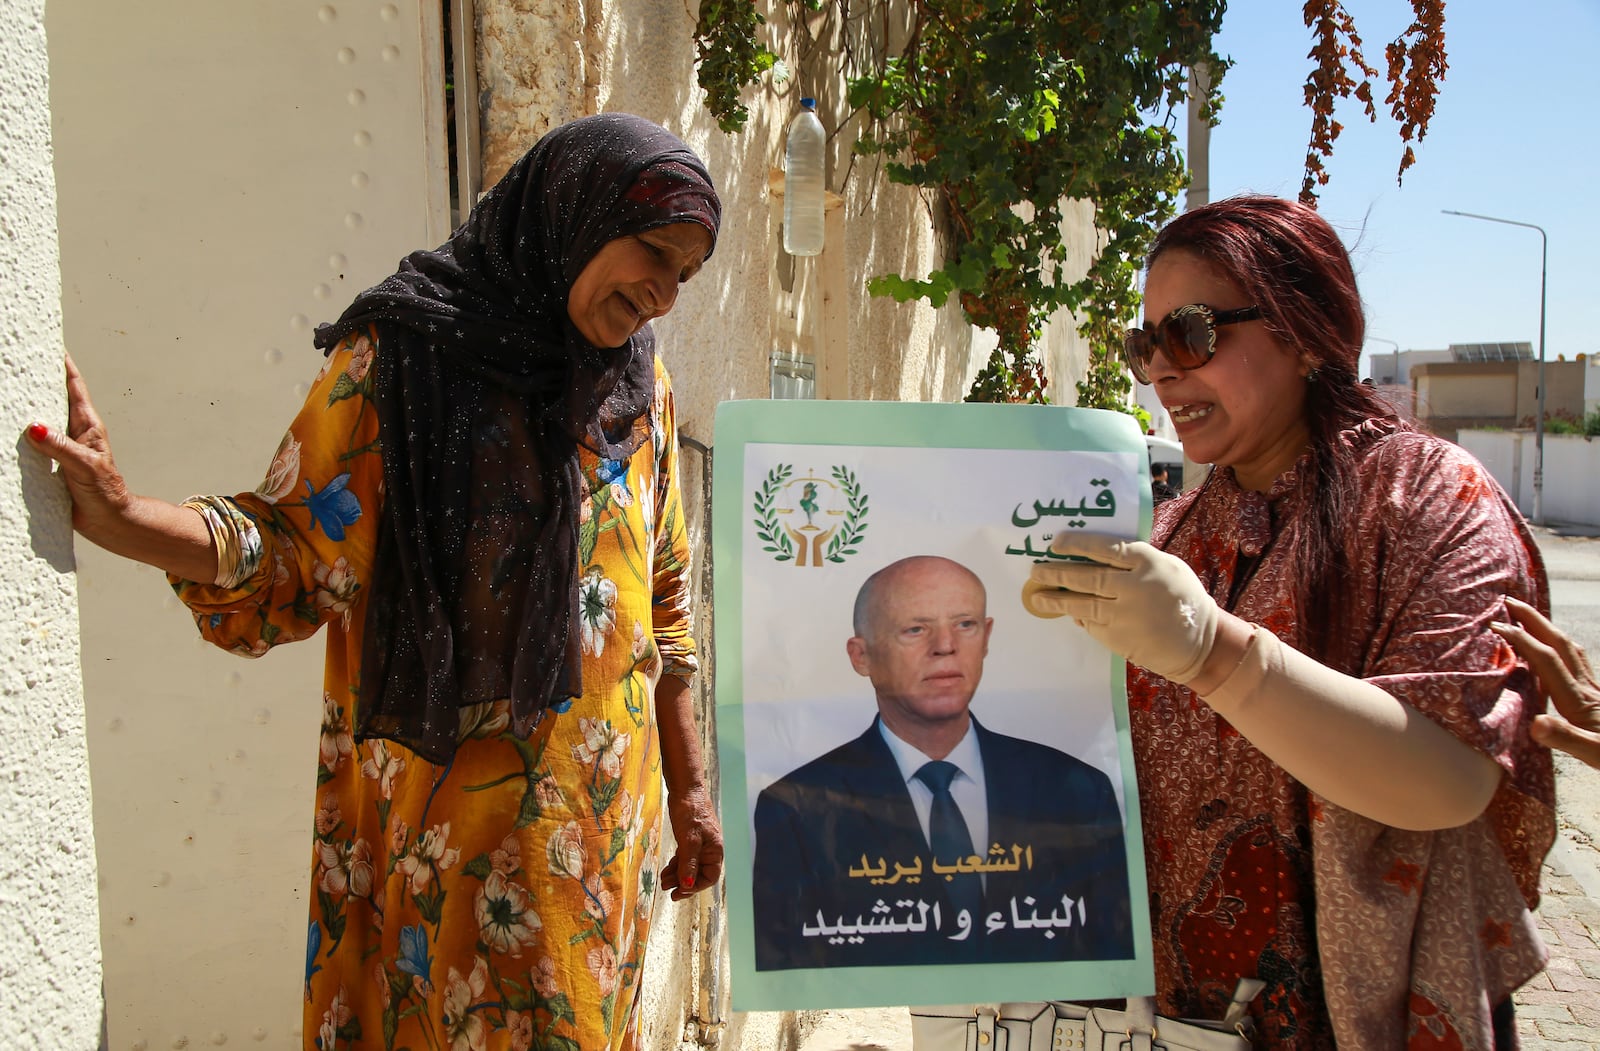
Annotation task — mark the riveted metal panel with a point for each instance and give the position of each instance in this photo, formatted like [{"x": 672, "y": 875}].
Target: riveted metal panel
[{"x": 230, "y": 175}]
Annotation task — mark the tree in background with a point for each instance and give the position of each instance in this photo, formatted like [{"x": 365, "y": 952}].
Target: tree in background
[{"x": 1003, "y": 110}]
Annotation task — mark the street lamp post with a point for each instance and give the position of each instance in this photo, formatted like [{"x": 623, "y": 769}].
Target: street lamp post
[{"x": 1538, "y": 420}]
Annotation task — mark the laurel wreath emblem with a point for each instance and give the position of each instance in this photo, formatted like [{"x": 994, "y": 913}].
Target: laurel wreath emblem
[
  {"x": 854, "y": 526},
  {"x": 766, "y": 520}
]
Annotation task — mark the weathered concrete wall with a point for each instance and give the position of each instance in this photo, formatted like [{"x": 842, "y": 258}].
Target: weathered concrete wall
[
  {"x": 1563, "y": 388},
  {"x": 542, "y": 62},
  {"x": 49, "y": 917},
  {"x": 1485, "y": 390},
  {"x": 535, "y": 72},
  {"x": 1508, "y": 389}
]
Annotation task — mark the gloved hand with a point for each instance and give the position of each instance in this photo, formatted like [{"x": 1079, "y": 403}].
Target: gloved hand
[
  {"x": 1139, "y": 602},
  {"x": 1342, "y": 737}
]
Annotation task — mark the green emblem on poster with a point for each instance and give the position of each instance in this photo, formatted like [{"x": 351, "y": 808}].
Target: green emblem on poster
[{"x": 810, "y": 520}]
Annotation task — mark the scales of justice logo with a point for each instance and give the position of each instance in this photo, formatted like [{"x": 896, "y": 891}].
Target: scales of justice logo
[{"x": 810, "y": 520}]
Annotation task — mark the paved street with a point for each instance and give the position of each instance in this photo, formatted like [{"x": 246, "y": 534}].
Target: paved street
[{"x": 1560, "y": 1009}]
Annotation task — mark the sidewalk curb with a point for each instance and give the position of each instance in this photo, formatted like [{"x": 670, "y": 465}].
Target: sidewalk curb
[{"x": 1578, "y": 860}]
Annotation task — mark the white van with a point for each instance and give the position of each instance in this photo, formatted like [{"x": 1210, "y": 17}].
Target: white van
[{"x": 1166, "y": 451}]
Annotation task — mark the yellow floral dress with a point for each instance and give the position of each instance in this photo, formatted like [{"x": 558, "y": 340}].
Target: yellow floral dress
[{"x": 501, "y": 900}]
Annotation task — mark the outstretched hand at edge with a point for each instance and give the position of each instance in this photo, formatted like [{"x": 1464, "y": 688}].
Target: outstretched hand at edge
[{"x": 1565, "y": 676}]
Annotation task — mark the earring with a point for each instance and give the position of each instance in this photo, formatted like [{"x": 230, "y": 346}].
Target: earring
[{"x": 1311, "y": 375}]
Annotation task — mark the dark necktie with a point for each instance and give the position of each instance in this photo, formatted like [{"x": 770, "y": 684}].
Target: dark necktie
[{"x": 951, "y": 842}]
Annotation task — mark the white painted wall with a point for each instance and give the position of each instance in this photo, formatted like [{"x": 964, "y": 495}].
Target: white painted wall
[
  {"x": 230, "y": 175},
  {"x": 49, "y": 922},
  {"x": 1502, "y": 453},
  {"x": 1571, "y": 470},
  {"x": 1571, "y": 466}
]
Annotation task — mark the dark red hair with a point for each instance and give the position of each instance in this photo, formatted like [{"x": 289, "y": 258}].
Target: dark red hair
[{"x": 1288, "y": 261}]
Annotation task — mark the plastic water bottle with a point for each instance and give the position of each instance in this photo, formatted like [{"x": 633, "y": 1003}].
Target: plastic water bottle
[{"x": 804, "y": 160}]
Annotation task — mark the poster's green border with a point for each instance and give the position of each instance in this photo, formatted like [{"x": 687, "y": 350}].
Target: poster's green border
[{"x": 898, "y": 424}]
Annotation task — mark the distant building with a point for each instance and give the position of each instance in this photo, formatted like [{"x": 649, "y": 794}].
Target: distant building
[
  {"x": 1394, "y": 369},
  {"x": 1494, "y": 385},
  {"x": 1391, "y": 375}
]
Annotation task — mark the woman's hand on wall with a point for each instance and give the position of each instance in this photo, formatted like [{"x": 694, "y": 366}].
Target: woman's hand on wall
[
  {"x": 104, "y": 511},
  {"x": 100, "y": 497}
]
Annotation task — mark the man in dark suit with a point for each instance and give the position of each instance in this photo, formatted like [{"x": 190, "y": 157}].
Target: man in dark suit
[{"x": 930, "y": 839}]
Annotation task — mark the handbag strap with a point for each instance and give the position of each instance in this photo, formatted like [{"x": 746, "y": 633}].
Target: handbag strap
[
  {"x": 984, "y": 1032},
  {"x": 1141, "y": 1016}
]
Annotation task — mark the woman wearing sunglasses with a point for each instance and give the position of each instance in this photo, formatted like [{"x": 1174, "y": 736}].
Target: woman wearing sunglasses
[{"x": 1340, "y": 795}]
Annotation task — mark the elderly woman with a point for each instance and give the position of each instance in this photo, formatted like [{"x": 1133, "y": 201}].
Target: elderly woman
[
  {"x": 479, "y": 502},
  {"x": 1340, "y": 796}
]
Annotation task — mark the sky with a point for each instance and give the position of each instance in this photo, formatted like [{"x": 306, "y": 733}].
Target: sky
[{"x": 1513, "y": 136}]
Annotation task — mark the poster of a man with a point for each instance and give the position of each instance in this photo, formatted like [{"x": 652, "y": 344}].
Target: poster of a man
[
  {"x": 928, "y": 792},
  {"x": 930, "y": 839}
]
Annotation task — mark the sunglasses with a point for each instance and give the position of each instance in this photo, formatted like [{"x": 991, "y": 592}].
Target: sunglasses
[{"x": 1187, "y": 336}]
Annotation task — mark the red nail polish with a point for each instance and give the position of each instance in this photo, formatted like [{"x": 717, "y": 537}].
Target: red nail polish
[
  {"x": 688, "y": 883},
  {"x": 38, "y": 431}
]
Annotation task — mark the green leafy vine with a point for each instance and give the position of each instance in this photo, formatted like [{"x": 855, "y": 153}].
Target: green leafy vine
[
  {"x": 729, "y": 57},
  {"x": 1001, "y": 111}
]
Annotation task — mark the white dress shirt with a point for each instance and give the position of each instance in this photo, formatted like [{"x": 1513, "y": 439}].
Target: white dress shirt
[{"x": 966, "y": 788}]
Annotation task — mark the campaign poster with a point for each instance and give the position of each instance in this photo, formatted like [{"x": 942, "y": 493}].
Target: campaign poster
[{"x": 927, "y": 792}]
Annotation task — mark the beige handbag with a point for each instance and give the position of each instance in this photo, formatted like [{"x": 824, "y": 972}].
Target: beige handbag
[
  {"x": 986, "y": 1027},
  {"x": 1056, "y": 1026}
]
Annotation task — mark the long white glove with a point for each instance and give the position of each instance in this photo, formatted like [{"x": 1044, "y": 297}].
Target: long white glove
[
  {"x": 1136, "y": 601},
  {"x": 1347, "y": 740},
  {"x": 1352, "y": 742}
]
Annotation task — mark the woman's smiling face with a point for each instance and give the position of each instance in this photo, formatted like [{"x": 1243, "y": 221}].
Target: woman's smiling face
[
  {"x": 1245, "y": 408},
  {"x": 635, "y": 278}
]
